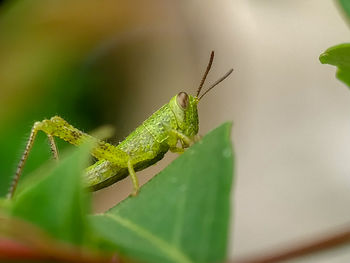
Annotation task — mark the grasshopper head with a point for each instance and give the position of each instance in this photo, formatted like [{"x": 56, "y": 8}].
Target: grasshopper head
[{"x": 184, "y": 106}]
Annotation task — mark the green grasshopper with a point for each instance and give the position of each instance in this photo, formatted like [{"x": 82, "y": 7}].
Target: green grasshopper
[{"x": 176, "y": 121}]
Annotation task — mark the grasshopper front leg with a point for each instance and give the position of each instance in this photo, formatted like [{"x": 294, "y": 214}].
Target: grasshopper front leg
[
  {"x": 184, "y": 140},
  {"x": 178, "y": 150}
]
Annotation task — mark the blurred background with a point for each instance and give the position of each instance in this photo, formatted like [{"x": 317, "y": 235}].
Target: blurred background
[{"x": 116, "y": 62}]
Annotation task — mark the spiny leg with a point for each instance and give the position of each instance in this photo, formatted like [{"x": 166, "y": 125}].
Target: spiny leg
[
  {"x": 134, "y": 179},
  {"x": 25, "y": 155},
  {"x": 56, "y": 126},
  {"x": 21, "y": 163},
  {"x": 53, "y": 147}
]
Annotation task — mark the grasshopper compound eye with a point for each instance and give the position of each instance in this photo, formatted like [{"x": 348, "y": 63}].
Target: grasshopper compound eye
[{"x": 182, "y": 100}]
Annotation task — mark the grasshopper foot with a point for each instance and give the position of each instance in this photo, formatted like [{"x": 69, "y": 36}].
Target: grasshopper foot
[{"x": 134, "y": 193}]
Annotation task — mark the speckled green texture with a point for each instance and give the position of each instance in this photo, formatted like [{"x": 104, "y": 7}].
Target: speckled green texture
[{"x": 148, "y": 143}]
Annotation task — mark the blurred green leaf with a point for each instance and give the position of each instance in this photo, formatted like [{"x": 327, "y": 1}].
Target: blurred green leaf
[
  {"x": 55, "y": 200},
  {"x": 339, "y": 56},
  {"x": 4, "y": 204},
  {"x": 182, "y": 214},
  {"x": 346, "y": 6}
]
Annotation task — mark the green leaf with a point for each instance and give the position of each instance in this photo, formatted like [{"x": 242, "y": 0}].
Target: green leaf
[
  {"x": 339, "y": 56},
  {"x": 56, "y": 202},
  {"x": 346, "y": 6},
  {"x": 182, "y": 214},
  {"x": 4, "y": 204}
]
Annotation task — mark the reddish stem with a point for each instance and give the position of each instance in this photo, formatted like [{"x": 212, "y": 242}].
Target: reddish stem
[
  {"x": 320, "y": 245},
  {"x": 13, "y": 250}
]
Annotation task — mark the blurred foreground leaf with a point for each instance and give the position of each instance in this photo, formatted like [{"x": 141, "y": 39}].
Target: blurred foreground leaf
[
  {"x": 181, "y": 215},
  {"x": 57, "y": 202},
  {"x": 339, "y": 56},
  {"x": 345, "y": 4}
]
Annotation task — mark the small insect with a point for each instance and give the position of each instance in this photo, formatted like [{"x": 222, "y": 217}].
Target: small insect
[{"x": 176, "y": 121}]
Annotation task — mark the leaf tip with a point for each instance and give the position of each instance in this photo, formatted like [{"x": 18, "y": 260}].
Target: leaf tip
[
  {"x": 228, "y": 125},
  {"x": 324, "y": 58}
]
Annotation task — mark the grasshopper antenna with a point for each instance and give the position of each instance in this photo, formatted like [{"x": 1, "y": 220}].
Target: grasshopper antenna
[
  {"x": 217, "y": 82},
  {"x": 206, "y": 73}
]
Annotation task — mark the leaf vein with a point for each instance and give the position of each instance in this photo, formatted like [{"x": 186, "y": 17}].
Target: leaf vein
[{"x": 169, "y": 250}]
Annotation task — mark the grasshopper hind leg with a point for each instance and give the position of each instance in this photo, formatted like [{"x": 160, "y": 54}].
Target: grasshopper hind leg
[
  {"x": 25, "y": 155},
  {"x": 58, "y": 127}
]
